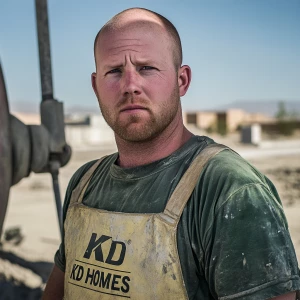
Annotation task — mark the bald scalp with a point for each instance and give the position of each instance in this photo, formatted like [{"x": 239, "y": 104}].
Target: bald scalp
[{"x": 137, "y": 17}]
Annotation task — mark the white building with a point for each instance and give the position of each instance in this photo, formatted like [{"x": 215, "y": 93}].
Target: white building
[{"x": 89, "y": 131}]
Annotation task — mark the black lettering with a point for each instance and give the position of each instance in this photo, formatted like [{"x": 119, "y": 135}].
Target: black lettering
[
  {"x": 96, "y": 246},
  {"x": 73, "y": 271},
  {"x": 115, "y": 282},
  {"x": 89, "y": 276},
  {"x": 96, "y": 278},
  {"x": 104, "y": 281},
  {"x": 112, "y": 251},
  {"x": 125, "y": 288},
  {"x": 80, "y": 273}
]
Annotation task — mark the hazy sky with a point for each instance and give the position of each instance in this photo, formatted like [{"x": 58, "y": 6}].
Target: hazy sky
[{"x": 237, "y": 49}]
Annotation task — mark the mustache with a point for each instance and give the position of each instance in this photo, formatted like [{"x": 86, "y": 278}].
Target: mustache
[{"x": 133, "y": 100}]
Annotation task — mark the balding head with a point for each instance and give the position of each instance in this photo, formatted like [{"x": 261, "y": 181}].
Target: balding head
[{"x": 138, "y": 18}]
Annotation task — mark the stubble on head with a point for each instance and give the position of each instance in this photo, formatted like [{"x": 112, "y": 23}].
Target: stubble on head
[{"x": 139, "y": 17}]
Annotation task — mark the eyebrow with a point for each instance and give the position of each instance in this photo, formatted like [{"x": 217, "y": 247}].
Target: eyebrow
[
  {"x": 111, "y": 67},
  {"x": 138, "y": 62}
]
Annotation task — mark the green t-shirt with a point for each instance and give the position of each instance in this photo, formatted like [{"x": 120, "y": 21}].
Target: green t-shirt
[{"x": 232, "y": 239}]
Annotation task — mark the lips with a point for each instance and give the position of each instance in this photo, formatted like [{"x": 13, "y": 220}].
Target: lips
[{"x": 133, "y": 107}]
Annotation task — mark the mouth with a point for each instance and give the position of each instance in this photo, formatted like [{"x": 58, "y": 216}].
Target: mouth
[{"x": 132, "y": 108}]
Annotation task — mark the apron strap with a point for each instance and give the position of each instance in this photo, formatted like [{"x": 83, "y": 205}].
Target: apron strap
[
  {"x": 186, "y": 185},
  {"x": 78, "y": 192}
]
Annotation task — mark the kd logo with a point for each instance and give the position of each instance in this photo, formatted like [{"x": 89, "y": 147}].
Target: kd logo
[{"x": 96, "y": 245}]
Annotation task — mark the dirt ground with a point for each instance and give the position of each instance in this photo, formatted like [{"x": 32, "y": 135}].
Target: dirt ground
[{"x": 31, "y": 228}]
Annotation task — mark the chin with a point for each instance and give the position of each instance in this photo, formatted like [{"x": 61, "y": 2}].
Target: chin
[{"x": 137, "y": 137}]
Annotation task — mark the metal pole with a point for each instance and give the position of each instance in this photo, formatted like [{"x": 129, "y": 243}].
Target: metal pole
[
  {"x": 44, "y": 48},
  {"x": 52, "y": 116},
  {"x": 54, "y": 169}
]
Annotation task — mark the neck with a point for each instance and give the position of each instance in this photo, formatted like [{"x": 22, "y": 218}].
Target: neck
[{"x": 133, "y": 154}]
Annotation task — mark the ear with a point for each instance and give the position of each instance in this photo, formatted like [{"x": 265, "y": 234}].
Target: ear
[
  {"x": 93, "y": 80},
  {"x": 184, "y": 79}
]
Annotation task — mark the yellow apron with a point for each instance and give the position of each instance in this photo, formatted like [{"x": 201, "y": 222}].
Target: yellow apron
[{"x": 113, "y": 255}]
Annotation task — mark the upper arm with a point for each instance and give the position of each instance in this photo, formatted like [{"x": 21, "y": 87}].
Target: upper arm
[
  {"x": 251, "y": 249},
  {"x": 55, "y": 285}
]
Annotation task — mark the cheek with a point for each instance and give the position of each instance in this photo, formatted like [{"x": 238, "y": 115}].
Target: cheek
[
  {"x": 162, "y": 86},
  {"x": 107, "y": 89}
]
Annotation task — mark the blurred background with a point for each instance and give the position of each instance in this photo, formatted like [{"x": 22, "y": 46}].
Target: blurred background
[{"x": 245, "y": 93}]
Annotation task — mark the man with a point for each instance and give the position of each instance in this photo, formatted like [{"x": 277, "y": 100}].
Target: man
[{"x": 170, "y": 216}]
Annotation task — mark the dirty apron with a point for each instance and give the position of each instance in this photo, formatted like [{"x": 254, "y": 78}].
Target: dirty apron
[{"x": 113, "y": 255}]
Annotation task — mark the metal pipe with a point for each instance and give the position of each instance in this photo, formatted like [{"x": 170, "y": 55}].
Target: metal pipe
[
  {"x": 44, "y": 48},
  {"x": 54, "y": 170},
  {"x": 52, "y": 115}
]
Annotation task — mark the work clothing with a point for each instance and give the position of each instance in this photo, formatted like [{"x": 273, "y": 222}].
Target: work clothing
[
  {"x": 137, "y": 244},
  {"x": 232, "y": 238}
]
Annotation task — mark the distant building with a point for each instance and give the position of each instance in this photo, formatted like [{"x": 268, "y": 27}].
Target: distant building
[
  {"x": 228, "y": 120},
  {"x": 87, "y": 131}
]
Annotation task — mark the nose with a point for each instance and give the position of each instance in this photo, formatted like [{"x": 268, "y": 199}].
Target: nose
[{"x": 131, "y": 83}]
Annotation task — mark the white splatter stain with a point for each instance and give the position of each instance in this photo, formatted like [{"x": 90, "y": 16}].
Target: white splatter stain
[
  {"x": 226, "y": 216},
  {"x": 278, "y": 231},
  {"x": 268, "y": 265},
  {"x": 214, "y": 257},
  {"x": 243, "y": 254},
  {"x": 244, "y": 261}
]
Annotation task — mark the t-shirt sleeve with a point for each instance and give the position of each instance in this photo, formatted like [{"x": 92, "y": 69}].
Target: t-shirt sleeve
[
  {"x": 59, "y": 257},
  {"x": 249, "y": 252}
]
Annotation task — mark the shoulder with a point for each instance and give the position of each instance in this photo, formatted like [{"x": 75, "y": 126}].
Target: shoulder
[
  {"x": 77, "y": 176},
  {"x": 229, "y": 165},
  {"x": 228, "y": 179},
  {"x": 75, "y": 179},
  {"x": 231, "y": 172},
  {"x": 227, "y": 176}
]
